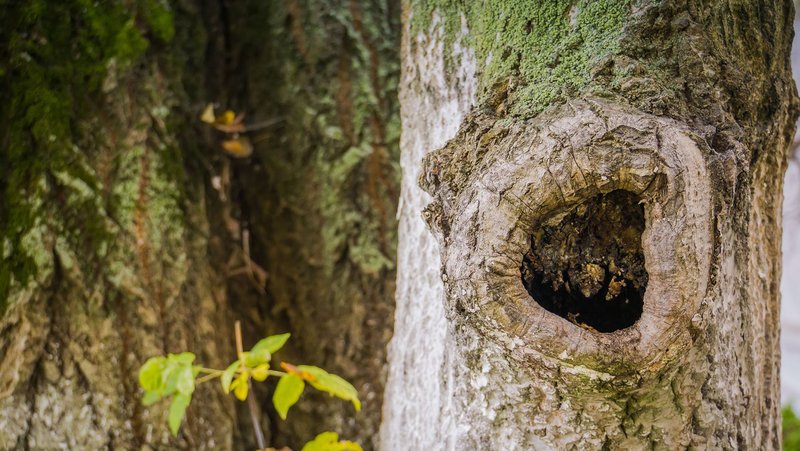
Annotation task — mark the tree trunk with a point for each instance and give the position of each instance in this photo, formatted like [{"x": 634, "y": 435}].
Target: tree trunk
[
  {"x": 320, "y": 196},
  {"x": 104, "y": 235},
  {"x": 606, "y": 266},
  {"x": 127, "y": 232}
]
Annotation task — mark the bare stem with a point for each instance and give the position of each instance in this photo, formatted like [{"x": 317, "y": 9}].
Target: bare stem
[
  {"x": 251, "y": 401},
  {"x": 206, "y": 378},
  {"x": 237, "y": 330}
]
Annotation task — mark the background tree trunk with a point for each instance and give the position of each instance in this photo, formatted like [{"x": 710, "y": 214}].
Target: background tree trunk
[
  {"x": 125, "y": 228},
  {"x": 104, "y": 234},
  {"x": 320, "y": 196},
  {"x": 688, "y": 106}
]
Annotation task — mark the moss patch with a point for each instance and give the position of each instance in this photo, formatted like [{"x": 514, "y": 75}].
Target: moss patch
[
  {"x": 535, "y": 53},
  {"x": 53, "y": 71}
]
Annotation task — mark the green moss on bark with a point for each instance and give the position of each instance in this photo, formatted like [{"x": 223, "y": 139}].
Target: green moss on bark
[
  {"x": 54, "y": 69},
  {"x": 534, "y": 53}
]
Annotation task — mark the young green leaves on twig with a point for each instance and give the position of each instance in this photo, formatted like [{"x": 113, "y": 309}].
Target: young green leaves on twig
[
  {"x": 254, "y": 363},
  {"x": 176, "y": 376},
  {"x": 291, "y": 385},
  {"x": 161, "y": 377}
]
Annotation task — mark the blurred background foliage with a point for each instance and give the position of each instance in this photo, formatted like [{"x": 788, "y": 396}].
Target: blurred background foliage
[{"x": 791, "y": 429}]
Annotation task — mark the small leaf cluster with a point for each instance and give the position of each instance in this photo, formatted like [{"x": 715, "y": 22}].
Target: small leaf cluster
[
  {"x": 292, "y": 383},
  {"x": 251, "y": 364},
  {"x": 176, "y": 376}
]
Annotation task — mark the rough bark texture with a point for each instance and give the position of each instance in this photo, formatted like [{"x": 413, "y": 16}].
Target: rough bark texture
[
  {"x": 104, "y": 236},
  {"x": 419, "y": 385},
  {"x": 690, "y": 107},
  {"x": 124, "y": 229}
]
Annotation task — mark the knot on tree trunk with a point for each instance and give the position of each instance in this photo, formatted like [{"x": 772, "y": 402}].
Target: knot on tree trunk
[{"x": 584, "y": 234}]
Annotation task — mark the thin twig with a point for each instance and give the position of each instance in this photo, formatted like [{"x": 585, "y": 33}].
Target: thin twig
[
  {"x": 205, "y": 378},
  {"x": 251, "y": 401},
  {"x": 237, "y": 330},
  {"x": 263, "y": 124}
]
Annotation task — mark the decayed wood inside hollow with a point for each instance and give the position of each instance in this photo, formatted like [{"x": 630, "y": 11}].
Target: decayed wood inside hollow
[{"x": 588, "y": 266}]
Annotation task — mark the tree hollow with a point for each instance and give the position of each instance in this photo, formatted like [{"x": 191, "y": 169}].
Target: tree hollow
[{"x": 588, "y": 265}]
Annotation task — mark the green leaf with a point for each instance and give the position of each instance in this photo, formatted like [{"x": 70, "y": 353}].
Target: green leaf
[
  {"x": 185, "y": 358},
  {"x": 185, "y": 380},
  {"x": 329, "y": 441},
  {"x": 322, "y": 442},
  {"x": 240, "y": 387},
  {"x": 260, "y": 372},
  {"x": 271, "y": 344},
  {"x": 287, "y": 392},
  {"x": 333, "y": 384},
  {"x": 170, "y": 377},
  {"x": 150, "y": 374},
  {"x": 176, "y": 410},
  {"x": 150, "y": 398},
  {"x": 347, "y": 445},
  {"x": 252, "y": 360},
  {"x": 227, "y": 376}
]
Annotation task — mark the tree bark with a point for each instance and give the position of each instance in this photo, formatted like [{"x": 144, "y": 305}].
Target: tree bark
[
  {"x": 664, "y": 127},
  {"x": 125, "y": 229},
  {"x": 320, "y": 195},
  {"x": 104, "y": 235}
]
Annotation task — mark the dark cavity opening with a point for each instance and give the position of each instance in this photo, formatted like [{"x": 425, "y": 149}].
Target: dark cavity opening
[{"x": 589, "y": 267}]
